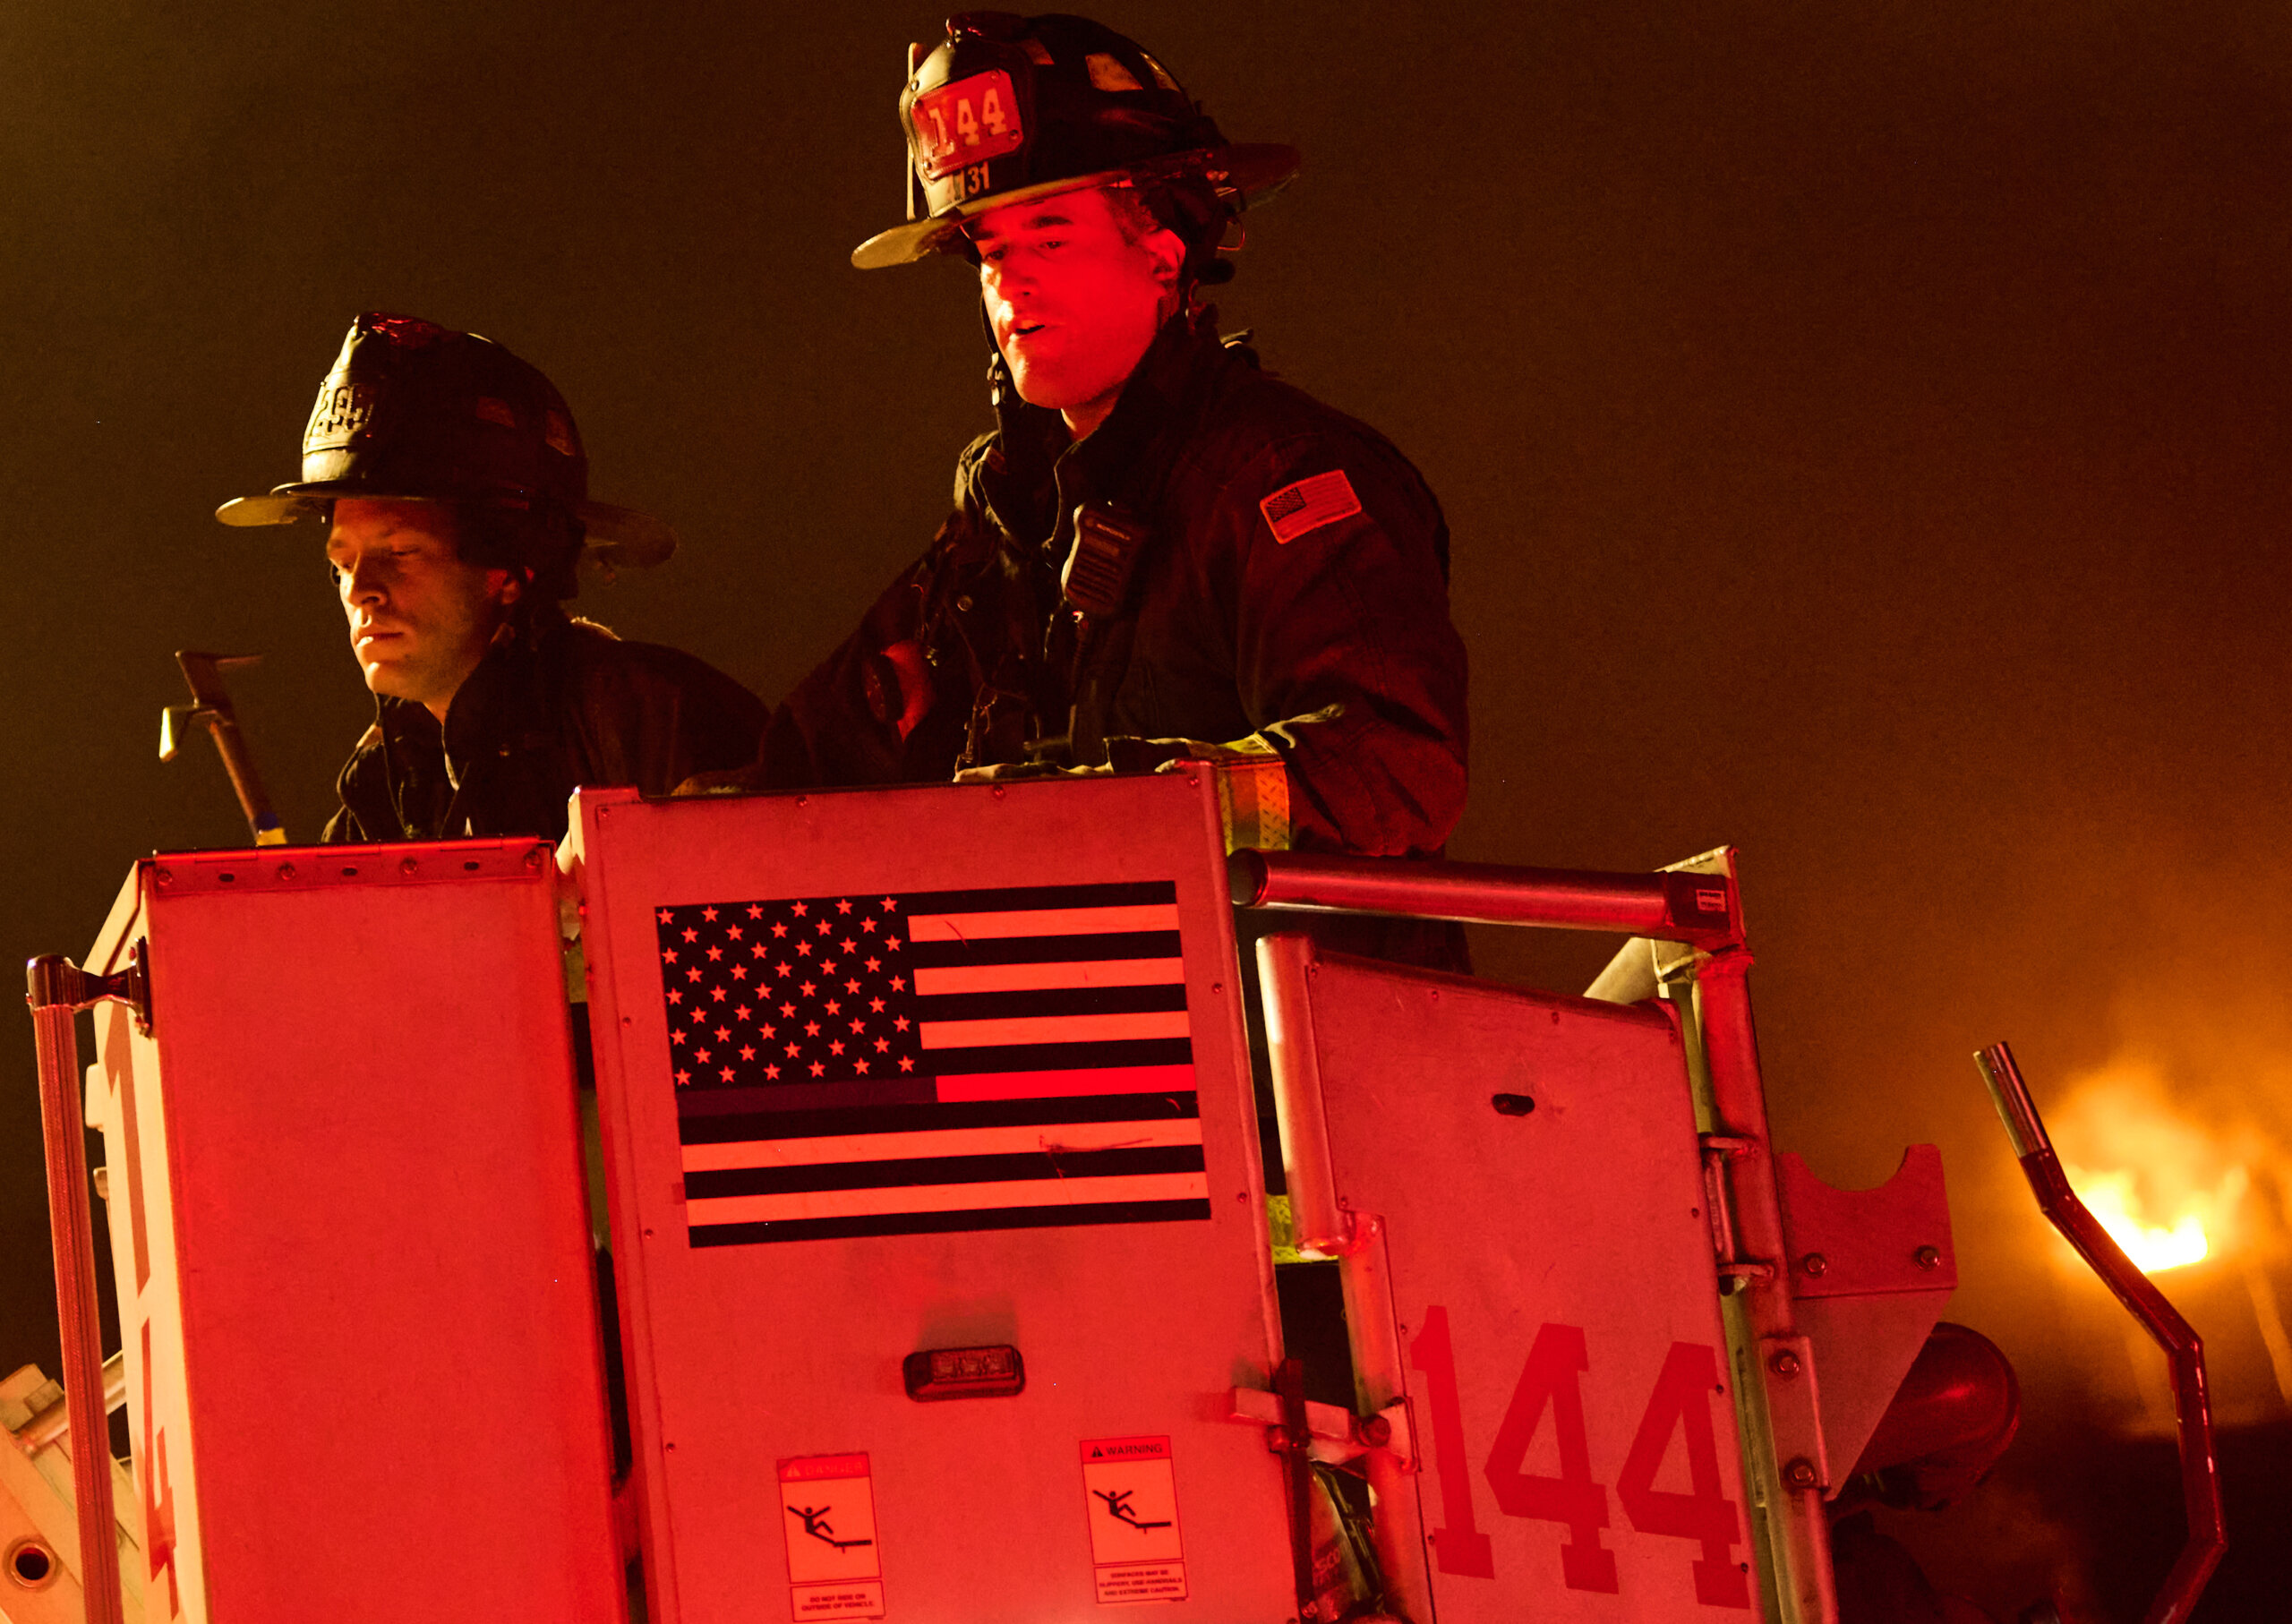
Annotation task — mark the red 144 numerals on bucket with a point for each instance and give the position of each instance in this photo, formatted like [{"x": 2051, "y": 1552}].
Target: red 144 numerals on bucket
[{"x": 1549, "y": 1391}]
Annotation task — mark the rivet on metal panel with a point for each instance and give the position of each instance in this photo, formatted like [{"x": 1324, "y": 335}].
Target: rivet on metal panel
[
  {"x": 998, "y": 791},
  {"x": 285, "y": 871},
  {"x": 1800, "y": 1473},
  {"x": 533, "y": 858},
  {"x": 163, "y": 879},
  {"x": 605, "y": 812},
  {"x": 1217, "y": 986},
  {"x": 1783, "y": 1363},
  {"x": 407, "y": 865},
  {"x": 1511, "y": 1105},
  {"x": 1928, "y": 1257},
  {"x": 1814, "y": 1263}
]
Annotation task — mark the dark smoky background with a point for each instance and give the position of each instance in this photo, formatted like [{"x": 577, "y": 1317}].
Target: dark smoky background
[{"x": 1862, "y": 429}]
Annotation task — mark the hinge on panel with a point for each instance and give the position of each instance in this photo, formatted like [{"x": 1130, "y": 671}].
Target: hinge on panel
[
  {"x": 138, "y": 991},
  {"x": 1734, "y": 1270}
]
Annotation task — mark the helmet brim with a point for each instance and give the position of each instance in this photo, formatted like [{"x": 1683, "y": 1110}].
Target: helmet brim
[
  {"x": 1256, "y": 170},
  {"x": 620, "y": 537}
]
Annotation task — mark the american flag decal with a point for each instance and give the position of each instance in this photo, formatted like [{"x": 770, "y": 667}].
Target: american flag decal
[
  {"x": 1304, "y": 507},
  {"x": 931, "y": 1061}
]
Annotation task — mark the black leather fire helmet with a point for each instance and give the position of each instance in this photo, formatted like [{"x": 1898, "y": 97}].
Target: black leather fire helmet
[
  {"x": 413, "y": 410},
  {"x": 1009, "y": 109}
]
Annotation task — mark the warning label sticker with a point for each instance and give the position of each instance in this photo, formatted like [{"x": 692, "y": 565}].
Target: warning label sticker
[
  {"x": 861, "y": 1599},
  {"x": 1131, "y": 1499},
  {"x": 828, "y": 1519}
]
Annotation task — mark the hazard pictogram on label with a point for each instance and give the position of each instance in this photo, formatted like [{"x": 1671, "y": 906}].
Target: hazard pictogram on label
[
  {"x": 828, "y": 1506},
  {"x": 1131, "y": 1497}
]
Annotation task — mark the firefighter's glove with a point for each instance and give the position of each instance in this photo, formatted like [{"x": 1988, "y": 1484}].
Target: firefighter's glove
[
  {"x": 1004, "y": 772},
  {"x": 1124, "y": 755}
]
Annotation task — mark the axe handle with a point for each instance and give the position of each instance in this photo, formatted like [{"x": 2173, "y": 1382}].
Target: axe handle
[
  {"x": 239, "y": 762},
  {"x": 204, "y": 674}
]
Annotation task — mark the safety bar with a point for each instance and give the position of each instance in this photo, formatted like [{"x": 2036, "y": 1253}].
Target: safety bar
[
  {"x": 2208, "y": 1534},
  {"x": 58, "y": 990},
  {"x": 1693, "y": 908}
]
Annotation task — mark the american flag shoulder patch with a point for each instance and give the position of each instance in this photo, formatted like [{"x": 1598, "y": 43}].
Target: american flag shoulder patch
[
  {"x": 1010, "y": 1057},
  {"x": 1304, "y": 507}
]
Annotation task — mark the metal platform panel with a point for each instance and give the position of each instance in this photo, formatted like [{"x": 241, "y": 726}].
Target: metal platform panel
[
  {"x": 1553, "y": 1294},
  {"x": 346, "y": 1213},
  {"x": 886, "y": 1074}
]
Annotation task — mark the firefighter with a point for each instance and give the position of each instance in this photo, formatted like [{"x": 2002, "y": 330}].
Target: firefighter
[
  {"x": 454, "y": 489},
  {"x": 1159, "y": 551}
]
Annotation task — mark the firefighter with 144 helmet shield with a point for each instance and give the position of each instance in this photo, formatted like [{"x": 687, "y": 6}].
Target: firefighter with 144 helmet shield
[{"x": 1159, "y": 551}]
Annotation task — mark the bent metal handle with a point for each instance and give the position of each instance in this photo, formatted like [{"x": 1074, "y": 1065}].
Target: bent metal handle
[
  {"x": 2208, "y": 1534},
  {"x": 58, "y": 990}
]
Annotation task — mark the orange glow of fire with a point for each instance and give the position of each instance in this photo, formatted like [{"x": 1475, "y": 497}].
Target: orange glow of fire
[
  {"x": 2113, "y": 1200},
  {"x": 2170, "y": 1189}
]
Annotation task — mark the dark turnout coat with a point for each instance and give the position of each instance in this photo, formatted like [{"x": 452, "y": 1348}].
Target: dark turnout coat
[
  {"x": 1293, "y": 593},
  {"x": 564, "y": 703}
]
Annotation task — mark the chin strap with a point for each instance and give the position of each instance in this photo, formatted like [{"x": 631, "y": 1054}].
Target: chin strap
[{"x": 999, "y": 386}]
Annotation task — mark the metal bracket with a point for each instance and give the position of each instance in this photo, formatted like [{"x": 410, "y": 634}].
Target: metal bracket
[
  {"x": 1794, "y": 1409},
  {"x": 53, "y": 980},
  {"x": 1333, "y": 1434}
]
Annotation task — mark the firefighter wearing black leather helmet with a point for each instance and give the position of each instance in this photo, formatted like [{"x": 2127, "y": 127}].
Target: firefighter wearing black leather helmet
[
  {"x": 415, "y": 411},
  {"x": 453, "y": 486},
  {"x": 1159, "y": 551}
]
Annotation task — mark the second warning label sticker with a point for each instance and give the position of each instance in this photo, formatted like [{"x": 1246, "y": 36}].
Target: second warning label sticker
[
  {"x": 828, "y": 1504},
  {"x": 1132, "y": 1498}
]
